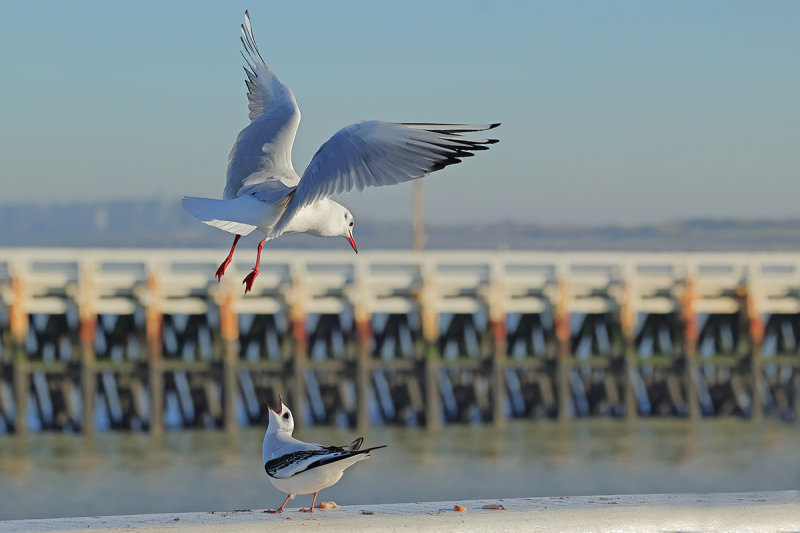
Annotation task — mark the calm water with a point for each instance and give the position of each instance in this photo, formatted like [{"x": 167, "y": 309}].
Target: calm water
[{"x": 48, "y": 475}]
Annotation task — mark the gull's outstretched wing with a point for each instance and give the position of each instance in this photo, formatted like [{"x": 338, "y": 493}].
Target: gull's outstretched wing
[
  {"x": 263, "y": 150},
  {"x": 375, "y": 153}
]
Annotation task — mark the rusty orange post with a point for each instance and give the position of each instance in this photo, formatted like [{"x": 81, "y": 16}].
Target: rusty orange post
[
  {"x": 229, "y": 331},
  {"x": 691, "y": 334},
  {"x": 498, "y": 331},
  {"x": 297, "y": 322},
  {"x": 363, "y": 328},
  {"x": 154, "y": 325},
  {"x": 18, "y": 324},
  {"x": 756, "y": 330},
  {"x": 17, "y": 313},
  {"x": 88, "y": 323},
  {"x": 564, "y": 360},
  {"x": 627, "y": 320},
  {"x": 364, "y": 366},
  {"x": 429, "y": 315}
]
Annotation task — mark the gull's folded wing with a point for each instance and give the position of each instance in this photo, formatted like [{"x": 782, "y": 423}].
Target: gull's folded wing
[{"x": 293, "y": 463}]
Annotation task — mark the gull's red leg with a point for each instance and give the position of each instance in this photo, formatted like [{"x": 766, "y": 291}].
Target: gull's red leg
[
  {"x": 224, "y": 265},
  {"x": 310, "y": 509},
  {"x": 251, "y": 277},
  {"x": 280, "y": 510}
]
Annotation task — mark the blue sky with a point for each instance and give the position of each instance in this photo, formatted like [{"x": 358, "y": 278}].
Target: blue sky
[{"x": 621, "y": 111}]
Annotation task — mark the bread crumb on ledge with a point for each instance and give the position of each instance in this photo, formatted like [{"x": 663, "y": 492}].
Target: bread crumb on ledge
[
  {"x": 327, "y": 505},
  {"x": 459, "y": 508},
  {"x": 496, "y": 506}
]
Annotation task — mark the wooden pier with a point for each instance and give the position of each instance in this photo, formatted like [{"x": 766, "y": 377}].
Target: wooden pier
[{"x": 146, "y": 339}]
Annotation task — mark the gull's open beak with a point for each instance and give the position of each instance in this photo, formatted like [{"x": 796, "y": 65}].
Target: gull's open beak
[
  {"x": 353, "y": 243},
  {"x": 280, "y": 405}
]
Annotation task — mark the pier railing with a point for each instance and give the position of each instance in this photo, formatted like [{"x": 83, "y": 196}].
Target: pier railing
[{"x": 140, "y": 338}]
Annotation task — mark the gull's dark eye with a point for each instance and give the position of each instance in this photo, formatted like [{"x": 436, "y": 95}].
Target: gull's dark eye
[
  {"x": 351, "y": 223},
  {"x": 286, "y": 416}
]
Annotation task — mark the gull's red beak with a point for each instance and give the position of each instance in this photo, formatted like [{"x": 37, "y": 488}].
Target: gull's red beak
[
  {"x": 353, "y": 243},
  {"x": 280, "y": 406}
]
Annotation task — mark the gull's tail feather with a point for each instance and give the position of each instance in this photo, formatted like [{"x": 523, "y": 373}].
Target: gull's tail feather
[
  {"x": 239, "y": 216},
  {"x": 355, "y": 445},
  {"x": 373, "y": 448}
]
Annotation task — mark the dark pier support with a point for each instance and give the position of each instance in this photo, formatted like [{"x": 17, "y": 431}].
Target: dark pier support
[
  {"x": 631, "y": 366},
  {"x": 433, "y": 406},
  {"x": 21, "y": 384}
]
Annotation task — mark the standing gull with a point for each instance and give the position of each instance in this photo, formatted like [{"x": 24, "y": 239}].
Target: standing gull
[
  {"x": 263, "y": 192},
  {"x": 297, "y": 467}
]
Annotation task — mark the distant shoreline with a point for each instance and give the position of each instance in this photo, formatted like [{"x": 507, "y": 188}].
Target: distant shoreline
[{"x": 162, "y": 224}]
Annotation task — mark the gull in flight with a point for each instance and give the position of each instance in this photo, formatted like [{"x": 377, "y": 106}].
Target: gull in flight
[
  {"x": 263, "y": 192},
  {"x": 296, "y": 467}
]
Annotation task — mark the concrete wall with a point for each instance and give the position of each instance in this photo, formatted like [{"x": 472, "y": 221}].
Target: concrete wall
[{"x": 757, "y": 511}]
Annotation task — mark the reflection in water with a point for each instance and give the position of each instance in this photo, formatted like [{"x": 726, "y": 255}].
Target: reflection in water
[{"x": 46, "y": 475}]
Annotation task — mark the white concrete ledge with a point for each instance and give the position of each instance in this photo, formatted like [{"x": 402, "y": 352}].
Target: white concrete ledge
[{"x": 752, "y": 511}]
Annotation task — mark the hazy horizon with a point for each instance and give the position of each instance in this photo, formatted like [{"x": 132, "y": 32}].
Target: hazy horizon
[{"x": 162, "y": 223}]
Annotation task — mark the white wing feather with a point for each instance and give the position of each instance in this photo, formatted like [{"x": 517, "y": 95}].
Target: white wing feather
[
  {"x": 263, "y": 150},
  {"x": 375, "y": 153},
  {"x": 239, "y": 216}
]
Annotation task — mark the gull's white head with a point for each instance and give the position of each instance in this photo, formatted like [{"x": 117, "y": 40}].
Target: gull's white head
[
  {"x": 347, "y": 222},
  {"x": 281, "y": 419}
]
